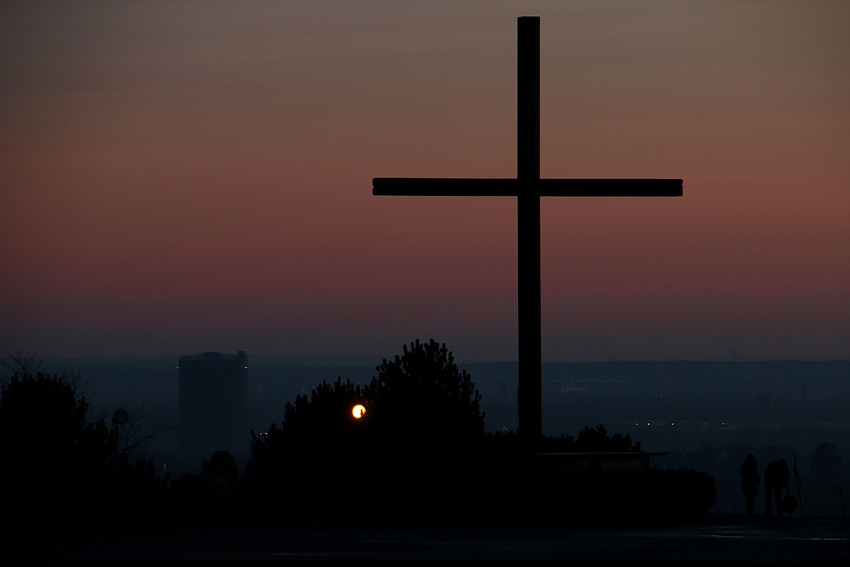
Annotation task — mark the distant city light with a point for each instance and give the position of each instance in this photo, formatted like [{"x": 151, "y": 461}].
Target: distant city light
[{"x": 358, "y": 411}]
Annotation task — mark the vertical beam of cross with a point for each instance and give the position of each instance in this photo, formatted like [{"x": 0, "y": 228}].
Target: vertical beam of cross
[
  {"x": 528, "y": 188},
  {"x": 528, "y": 229}
]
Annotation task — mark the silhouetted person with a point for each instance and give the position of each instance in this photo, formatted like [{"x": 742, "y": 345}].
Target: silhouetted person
[
  {"x": 775, "y": 479},
  {"x": 750, "y": 480}
]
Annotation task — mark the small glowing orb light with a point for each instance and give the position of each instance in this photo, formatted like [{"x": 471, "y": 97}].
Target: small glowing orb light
[{"x": 358, "y": 411}]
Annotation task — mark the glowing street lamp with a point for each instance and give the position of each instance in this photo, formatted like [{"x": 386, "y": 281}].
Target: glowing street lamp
[{"x": 358, "y": 411}]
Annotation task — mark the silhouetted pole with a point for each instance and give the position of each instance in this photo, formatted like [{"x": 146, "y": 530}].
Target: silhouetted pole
[{"x": 529, "y": 401}]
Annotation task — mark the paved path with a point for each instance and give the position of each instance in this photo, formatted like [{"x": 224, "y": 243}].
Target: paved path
[{"x": 721, "y": 540}]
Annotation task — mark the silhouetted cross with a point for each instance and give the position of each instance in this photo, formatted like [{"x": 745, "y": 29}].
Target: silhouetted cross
[{"x": 528, "y": 188}]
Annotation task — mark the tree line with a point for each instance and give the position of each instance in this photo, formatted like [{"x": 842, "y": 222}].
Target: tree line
[{"x": 418, "y": 448}]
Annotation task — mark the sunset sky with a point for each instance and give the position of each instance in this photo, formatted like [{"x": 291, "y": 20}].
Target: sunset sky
[{"x": 195, "y": 175}]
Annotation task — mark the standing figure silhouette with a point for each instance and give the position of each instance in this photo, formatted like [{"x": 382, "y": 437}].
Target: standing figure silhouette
[
  {"x": 750, "y": 480},
  {"x": 775, "y": 479}
]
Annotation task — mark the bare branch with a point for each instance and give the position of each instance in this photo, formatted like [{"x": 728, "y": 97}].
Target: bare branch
[
  {"x": 140, "y": 431},
  {"x": 23, "y": 364}
]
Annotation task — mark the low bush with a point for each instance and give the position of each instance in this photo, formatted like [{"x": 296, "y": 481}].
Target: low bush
[{"x": 625, "y": 494}]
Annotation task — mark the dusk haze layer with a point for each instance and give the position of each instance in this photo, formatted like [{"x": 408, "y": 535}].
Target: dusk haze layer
[{"x": 196, "y": 176}]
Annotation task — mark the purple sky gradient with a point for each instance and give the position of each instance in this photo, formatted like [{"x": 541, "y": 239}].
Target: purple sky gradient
[{"x": 192, "y": 176}]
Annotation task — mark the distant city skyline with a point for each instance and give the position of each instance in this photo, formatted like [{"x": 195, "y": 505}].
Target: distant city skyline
[{"x": 182, "y": 178}]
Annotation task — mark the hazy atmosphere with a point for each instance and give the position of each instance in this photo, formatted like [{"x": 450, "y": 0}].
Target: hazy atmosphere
[
  {"x": 235, "y": 329},
  {"x": 193, "y": 176}
]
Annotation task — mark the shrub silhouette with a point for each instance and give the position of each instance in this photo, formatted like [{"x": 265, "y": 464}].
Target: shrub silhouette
[
  {"x": 421, "y": 449},
  {"x": 422, "y": 416},
  {"x": 52, "y": 455},
  {"x": 67, "y": 468},
  {"x": 324, "y": 422},
  {"x": 318, "y": 443},
  {"x": 424, "y": 425},
  {"x": 422, "y": 400},
  {"x": 135, "y": 489},
  {"x": 590, "y": 440},
  {"x": 616, "y": 494}
]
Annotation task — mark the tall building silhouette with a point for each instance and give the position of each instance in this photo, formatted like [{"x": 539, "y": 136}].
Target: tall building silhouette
[{"x": 212, "y": 404}]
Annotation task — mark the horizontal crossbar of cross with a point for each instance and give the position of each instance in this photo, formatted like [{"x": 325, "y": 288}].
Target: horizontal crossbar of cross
[{"x": 461, "y": 187}]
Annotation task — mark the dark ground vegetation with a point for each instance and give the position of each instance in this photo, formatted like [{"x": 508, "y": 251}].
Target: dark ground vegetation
[{"x": 420, "y": 450}]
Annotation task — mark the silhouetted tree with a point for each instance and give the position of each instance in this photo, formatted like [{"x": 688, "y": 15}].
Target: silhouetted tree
[
  {"x": 422, "y": 418},
  {"x": 324, "y": 421},
  {"x": 23, "y": 364},
  {"x": 141, "y": 428},
  {"x": 55, "y": 460},
  {"x": 63, "y": 467},
  {"x": 137, "y": 490},
  {"x": 319, "y": 441},
  {"x": 590, "y": 440},
  {"x": 423, "y": 426},
  {"x": 421, "y": 448},
  {"x": 422, "y": 399}
]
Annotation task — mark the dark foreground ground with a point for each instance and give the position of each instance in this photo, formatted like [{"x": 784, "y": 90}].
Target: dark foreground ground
[{"x": 356, "y": 541}]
